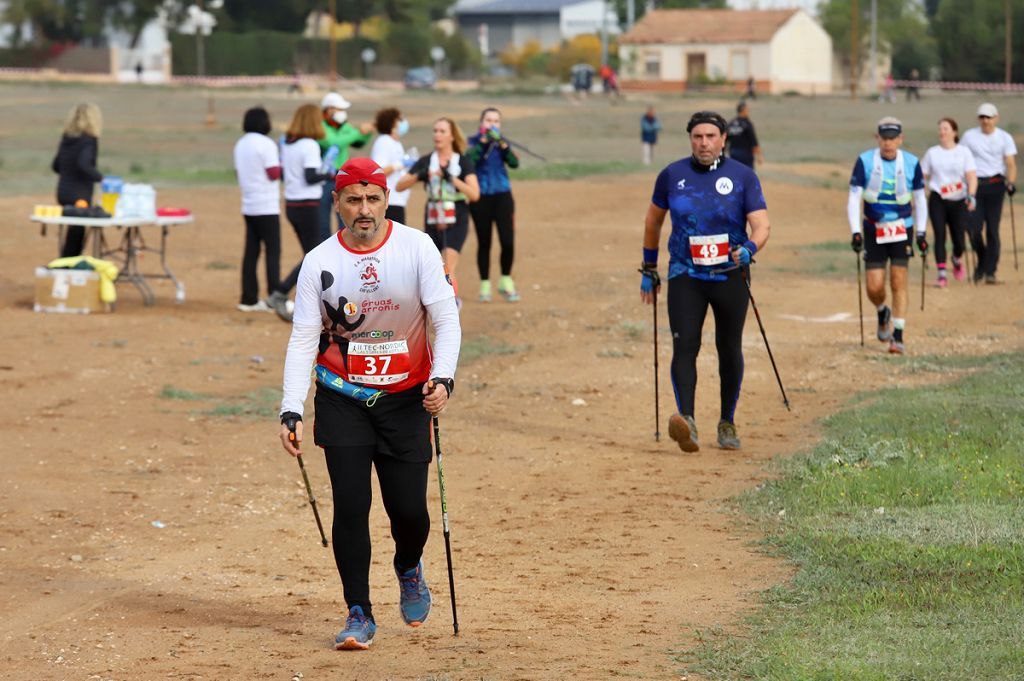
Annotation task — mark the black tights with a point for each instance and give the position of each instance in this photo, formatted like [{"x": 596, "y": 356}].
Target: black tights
[
  {"x": 688, "y": 301},
  {"x": 403, "y": 489},
  {"x": 988, "y": 211},
  {"x": 497, "y": 209},
  {"x": 305, "y": 219},
  {"x": 952, "y": 213},
  {"x": 260, "y": 230}
]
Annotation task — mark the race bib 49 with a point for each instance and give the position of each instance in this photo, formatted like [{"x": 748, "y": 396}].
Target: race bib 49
[{"x": 709, "y": 250}]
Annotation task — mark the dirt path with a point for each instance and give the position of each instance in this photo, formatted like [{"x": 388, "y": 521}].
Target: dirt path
[{"x": 582, "y": 548}]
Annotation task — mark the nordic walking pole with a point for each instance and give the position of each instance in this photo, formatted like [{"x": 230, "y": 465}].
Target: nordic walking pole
[
  {"x": 657, "y": 417},
  {"x": 522, "y": 147},
  {"x": 746, "y": 280},
  {"x": 860, "y": 300},
  {"x": 924, "y": 266},
  {"x": 444, "y": 524},
  {"x": 305, "y": 478},
  {"x": 1013, "y": 233}
]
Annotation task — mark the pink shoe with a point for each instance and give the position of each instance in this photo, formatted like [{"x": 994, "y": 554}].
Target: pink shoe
[
  {"x": 941, "y": 282},
  {"x": 959, "y": 273}
]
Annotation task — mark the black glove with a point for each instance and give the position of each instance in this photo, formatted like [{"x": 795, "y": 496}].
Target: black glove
[
  {"x": 448, "y": 383},
  {"x": 1011, "y": 188},
  {"x": 857, "y": 243},
  {"x": 290, "y": 418},
  {"x": 922, "y": 243}
]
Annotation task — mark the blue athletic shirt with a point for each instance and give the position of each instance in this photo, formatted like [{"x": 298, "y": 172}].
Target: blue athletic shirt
[
  {"x": 886, "y": 209},
  {"x": 490, "y": 160},
  {"x": 704, "y": 203}
]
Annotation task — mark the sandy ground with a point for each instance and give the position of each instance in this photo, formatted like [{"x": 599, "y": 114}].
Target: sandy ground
[{"x": 581, "y": 547}]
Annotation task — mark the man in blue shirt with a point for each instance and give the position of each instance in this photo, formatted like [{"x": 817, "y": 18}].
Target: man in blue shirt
[
  {"x": 886, "y": 180},
  {"x": 711, "y": 199}
]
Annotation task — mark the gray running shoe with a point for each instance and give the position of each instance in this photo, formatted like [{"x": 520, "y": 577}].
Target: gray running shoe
[
  {"x": 279, "y": 302},
  {"x": 727, "y": 437},
  {"x": 897, "y": 347},
  {"x": 885, "y": 324},
  {"x": 683, "y": 430}
]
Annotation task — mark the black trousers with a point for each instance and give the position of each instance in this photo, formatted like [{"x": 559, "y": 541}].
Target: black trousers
[
  {"x": 688, "y": 301},
  {"x": 989, "y": 211},
  {"x": 305, "y": 219},
  {"x": 953, "y": 214},
  {"x": 499, "y": 210},
  {"x": 74, "y": 236},
  {"x": 403, "y": 489},
  {"x": 265, "y": 230}
]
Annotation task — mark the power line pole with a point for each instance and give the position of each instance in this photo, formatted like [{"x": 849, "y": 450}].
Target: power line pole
[
  {"x": 1009, "y": 42},
  {"x": 874, "y": 45},
  {"x": 630, "y": 13},
  {"x": 854, "y": 52},
  {"x": 332, "y": 54},
  {"x": 200, "y": 49}
]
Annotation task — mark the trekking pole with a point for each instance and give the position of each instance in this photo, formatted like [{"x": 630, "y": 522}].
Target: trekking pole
[
  {"x": 444, "y": 524},
  {"x": 657, "y": 417},
  {"x": 305, "y": 478},
  {"x": 523, "y": 147},
  {"x": 860, "y": 300},
  {"x": 1013, "y": 233},
  {"x": 746, "y": 280},
  {"x": 924, "y": 266}
]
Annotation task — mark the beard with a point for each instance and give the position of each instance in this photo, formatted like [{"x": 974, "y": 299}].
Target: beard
[{"x": 365, "y": 228}]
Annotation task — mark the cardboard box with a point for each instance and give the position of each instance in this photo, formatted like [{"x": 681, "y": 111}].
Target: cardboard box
[{"x": 69, "y": 291}]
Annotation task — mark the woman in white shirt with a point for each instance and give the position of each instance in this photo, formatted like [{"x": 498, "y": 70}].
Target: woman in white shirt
[
  {"x": 258, "y": 169},
  {"x": 303, "y": 178},
  {"x": 391, "y": 156},
  {"x": 952, "y": 177}
]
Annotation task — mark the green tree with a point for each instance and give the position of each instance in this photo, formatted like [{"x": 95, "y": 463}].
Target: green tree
[
  {"x": 971, "y": 39},
  {"x": 902, "y": 29}
]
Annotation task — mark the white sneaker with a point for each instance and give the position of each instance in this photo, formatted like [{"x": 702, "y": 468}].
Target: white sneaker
[{"x": 261, "y": 306}]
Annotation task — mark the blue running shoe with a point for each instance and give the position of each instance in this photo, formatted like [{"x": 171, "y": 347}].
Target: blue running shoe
[
  {"x": 414, "y": 597},
  {"x": 358, "y": 632}
]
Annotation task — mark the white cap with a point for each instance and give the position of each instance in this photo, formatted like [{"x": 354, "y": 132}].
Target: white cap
[
  {"x": 335, "y": 101},
  {"x": 989, "y": 110}
]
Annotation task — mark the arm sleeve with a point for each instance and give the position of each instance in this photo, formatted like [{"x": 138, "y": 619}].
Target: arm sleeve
[
  {"x": 920, "y": 211},
  {"x": 510, "y": 157},
  {"x": 468, "y": 168},
  {"x": 313, "y": 176},
  {"x": 444, "y": 315},
  {"x": 302, "y": 346},
  {"x": 660, "y": 195},
  {"x": 853, "y": 209},
  {"x": 87, "y": 162},
  {"x": 858, "y": 177},
  {"x": 753, "y": 195},
  {"x": 918, "y": 181},
  {"x": 420, "y": 168}
]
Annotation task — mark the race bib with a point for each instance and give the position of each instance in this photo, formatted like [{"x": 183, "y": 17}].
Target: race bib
[
  {"x": 953, "y": 190},
  {"x": 440, "y": 212},
  {"x": 709, "y": 250},
  {"x": 890, "y": 232},
  {"x": 378, "y": 363}
]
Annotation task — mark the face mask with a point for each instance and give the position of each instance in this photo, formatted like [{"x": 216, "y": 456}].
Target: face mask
[
  {"x": 340, "y": 117},
  {"x": 403, "y": 127}
]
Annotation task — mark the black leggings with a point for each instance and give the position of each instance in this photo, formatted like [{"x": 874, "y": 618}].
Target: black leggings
[
  {"x": 688, "y": 301},
  {"x": 266, "y": 230},
  {"x": 989, "y": 211},
  {"x": 953, "y": 213},
  {"x": 498, "y": 209},
  {"x": 403, "y": 489},
  {"x": 305, "y": 219}
]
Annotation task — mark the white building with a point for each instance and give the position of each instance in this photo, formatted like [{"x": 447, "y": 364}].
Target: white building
[{"x": 677, "y": 49}]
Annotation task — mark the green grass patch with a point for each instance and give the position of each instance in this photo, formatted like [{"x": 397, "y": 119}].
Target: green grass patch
[
  {"x": 905, "y": 525},
  {"x": 483, "y": 346},
  {"x": 259, "y": 404},
  {"x": 169, "y": 392}
]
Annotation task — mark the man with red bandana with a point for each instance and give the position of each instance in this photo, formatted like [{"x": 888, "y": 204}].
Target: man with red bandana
[{"x": 362, "y": 304}]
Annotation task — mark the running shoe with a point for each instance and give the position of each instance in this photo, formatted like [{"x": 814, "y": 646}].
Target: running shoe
[
  {"x": 279, "y": 303},
  {"x": 358, "y": 632},
  {"x": 991, "y": 279},
  {"x": 959, "y": 272},
  {"x": 683, "y": 429},
  {"x": 507, "y": 288},
  {"x": 485, "y": 291},
  {"x": 260, "y": 306},
  {"x": 885, "y": 324},
  {"x": 942, "y": 281},
  {"x": 896, "y": 347},
  {"x": 727, "y": 437},
  {"x": 414, "y": 595}
]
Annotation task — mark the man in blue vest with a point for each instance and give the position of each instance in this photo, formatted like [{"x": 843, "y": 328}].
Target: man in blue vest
[{"x": 890, "y": 184}]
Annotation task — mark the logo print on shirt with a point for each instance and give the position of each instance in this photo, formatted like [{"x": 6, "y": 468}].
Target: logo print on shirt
[
  {"x": 351, "y": 309},
  {"x": 723, "y": 186},
  {"x": 367, "y": 269},
  {"x": 681, "y": 184}
]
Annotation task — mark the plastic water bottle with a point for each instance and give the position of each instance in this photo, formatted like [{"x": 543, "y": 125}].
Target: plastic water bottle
[
  {"x": 327, "y": 163},
  {"x": 412, "y": 154}
]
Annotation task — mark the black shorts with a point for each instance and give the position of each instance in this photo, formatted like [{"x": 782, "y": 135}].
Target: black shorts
[
  {"x": 454, "y": 235},
  {"x": 397, "y": 424},
  {"x": 875, "y": 255}
]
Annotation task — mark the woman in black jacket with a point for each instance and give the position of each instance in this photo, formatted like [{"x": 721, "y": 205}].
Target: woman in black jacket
[{"x": 75, "y": 163}]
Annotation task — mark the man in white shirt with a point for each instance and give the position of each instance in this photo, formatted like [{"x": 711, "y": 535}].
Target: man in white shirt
[
  {"x": 361, "y": 308},
  {"x": 995, "y": 155}
]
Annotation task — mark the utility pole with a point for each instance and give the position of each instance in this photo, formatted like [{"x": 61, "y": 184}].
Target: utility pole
[
  {"x": 874, "y": 45},
  {"x": 200, "y": 49},
  {"x": 854, "y": 52},
  {"x": 332, "y": 53},
  {"x": 630, "y": 13},
  {"x": 1009, "y": 42}
]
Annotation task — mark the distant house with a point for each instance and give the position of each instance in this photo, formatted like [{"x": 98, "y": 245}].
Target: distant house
[
  {"x": 677, "y": 49},
  {"x": 493, "y": 25}
]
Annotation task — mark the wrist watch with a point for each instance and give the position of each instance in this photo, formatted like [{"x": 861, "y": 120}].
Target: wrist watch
[{"x": 448, "y": 383}]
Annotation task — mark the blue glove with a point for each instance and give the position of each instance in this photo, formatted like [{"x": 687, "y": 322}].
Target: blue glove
[
  {"x": 650, "y": 279},
  {"x": 746, "y": 252}
]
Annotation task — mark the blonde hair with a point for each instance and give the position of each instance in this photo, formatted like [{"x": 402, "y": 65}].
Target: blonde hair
[
  {"x": 458, "y": 139},
  {"x": 306, "y": 123},
  {"x": 84, "y": 119}
]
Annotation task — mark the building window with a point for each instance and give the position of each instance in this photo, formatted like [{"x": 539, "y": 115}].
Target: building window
[{"x": 652, "y": 65}]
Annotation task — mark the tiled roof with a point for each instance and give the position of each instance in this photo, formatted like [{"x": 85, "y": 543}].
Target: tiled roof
[{"x": 707, "y": 26}]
